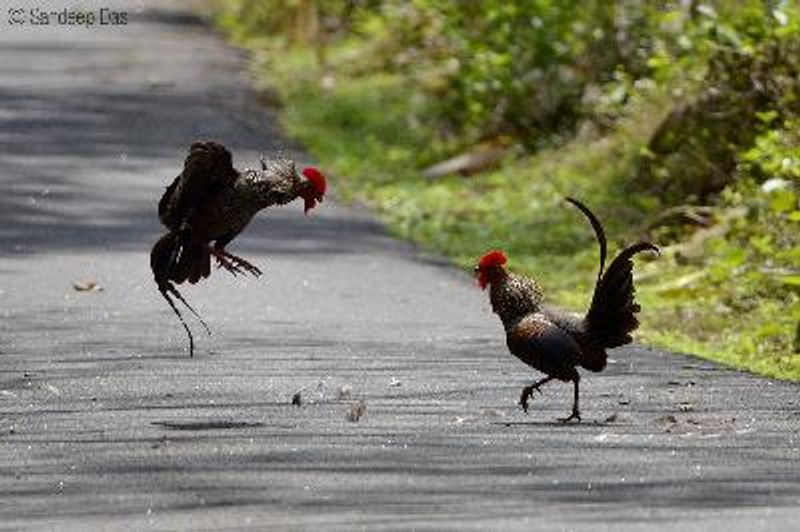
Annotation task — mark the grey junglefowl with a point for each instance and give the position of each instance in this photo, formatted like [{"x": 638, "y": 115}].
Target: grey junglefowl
[
  {"x": 208, "y": 205},
  {"x": 555, "y": 342}
]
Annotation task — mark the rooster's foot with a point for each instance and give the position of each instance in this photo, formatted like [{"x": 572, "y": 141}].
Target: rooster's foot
[
  {"x": 574, "y": 415},
  {"x": 527, "y": 392},
  {"x": 222, "y": 262},
  {"x": 234, "y": 264}
]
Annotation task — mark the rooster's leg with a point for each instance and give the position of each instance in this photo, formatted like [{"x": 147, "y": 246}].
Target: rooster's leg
[
  {"x": 575, "y": 412},
  {"x": 528, "y": 391},
  {"x": 232, "y": 263}
]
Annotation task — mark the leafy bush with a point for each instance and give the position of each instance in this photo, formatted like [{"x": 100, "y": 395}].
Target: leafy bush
[{"x": 751, "y": 86}]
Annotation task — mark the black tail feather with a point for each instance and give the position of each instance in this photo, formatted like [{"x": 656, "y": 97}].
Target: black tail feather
[
  {"x": 194, "y": 260},
  {"x": 177, "y": 294},
  {"x": 164, "y": 255},
  {"x": 612, "y": 314},
  {"x": 167, "y": 261},
  {"x": 598, "y": 231},
  {"x": 164, "y": 292}
]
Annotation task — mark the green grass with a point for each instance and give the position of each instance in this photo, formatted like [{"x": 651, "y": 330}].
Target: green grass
[{"x": 366, "y": 133}]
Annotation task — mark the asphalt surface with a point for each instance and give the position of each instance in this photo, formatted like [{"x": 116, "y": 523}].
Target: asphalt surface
[{"x": 106, "y": 423}]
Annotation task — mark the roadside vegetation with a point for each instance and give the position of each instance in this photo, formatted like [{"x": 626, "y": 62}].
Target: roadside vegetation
[{"x": 464, "y": 124}]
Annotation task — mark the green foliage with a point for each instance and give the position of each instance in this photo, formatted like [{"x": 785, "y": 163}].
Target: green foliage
[
  {"x": 507, "y": 66},
  {"x": 750, "y": 86},
  {"x": 634, "y": 106}
]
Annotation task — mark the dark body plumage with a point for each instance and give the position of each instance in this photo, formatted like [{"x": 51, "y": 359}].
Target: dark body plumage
[
  {"x": 558, "y": 343},
  {"x": 211, "y": 202}
]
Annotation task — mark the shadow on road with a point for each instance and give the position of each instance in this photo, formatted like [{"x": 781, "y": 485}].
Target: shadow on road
[{"x": 133, "y": 143}]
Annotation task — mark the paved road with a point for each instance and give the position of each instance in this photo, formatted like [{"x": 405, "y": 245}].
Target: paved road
[{"x": 105, "y": 423}]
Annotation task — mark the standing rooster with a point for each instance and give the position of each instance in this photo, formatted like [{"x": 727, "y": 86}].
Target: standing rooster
[
  {"x": 554, "y": 342},
  {"x": 210, "y": 201}
]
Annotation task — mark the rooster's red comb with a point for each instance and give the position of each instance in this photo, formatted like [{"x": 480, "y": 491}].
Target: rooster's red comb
[
  {"x": 493, "y": 258},
  {"x": 316, "y": 178}
]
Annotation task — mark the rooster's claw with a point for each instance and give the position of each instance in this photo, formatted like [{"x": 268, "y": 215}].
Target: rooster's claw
[
  {"x": 574, "y": 415},
  {"x": 523, "y": 400},
  {"x": 527, "y": 392},
  {"x": 234, "y": 264}
]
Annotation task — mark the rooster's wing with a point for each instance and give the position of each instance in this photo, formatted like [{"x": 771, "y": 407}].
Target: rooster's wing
[
  {"x": 207, "y": 169},
  {"x": 545, "y": 346}
]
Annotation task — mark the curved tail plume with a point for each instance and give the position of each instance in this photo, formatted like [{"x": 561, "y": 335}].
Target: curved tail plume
[
  {"x": 612, "y": 314},
  {"x": 164, "y": 260},
  {"x": 598, "y": 231}
]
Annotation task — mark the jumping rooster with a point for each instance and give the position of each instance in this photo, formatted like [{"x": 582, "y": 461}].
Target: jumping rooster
[
  {"x": 210, "y": 201},
  {"x": 552, "y": 341}
]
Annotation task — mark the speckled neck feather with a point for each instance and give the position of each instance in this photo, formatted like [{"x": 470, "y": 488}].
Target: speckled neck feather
[{"x": 513, "y": 297}]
